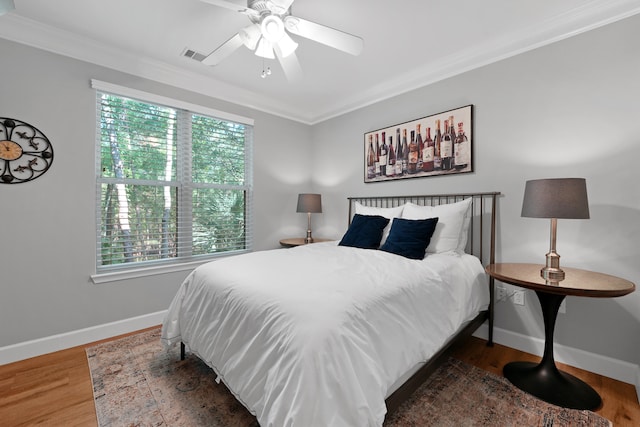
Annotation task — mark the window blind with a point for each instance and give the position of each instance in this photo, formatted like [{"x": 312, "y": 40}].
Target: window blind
[{"x": 172, "y": 185}]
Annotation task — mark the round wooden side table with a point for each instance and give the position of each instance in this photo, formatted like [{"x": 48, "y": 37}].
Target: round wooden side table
[
  {"x": 544, "y": 380},
  {"x": 299, "y": 241}
]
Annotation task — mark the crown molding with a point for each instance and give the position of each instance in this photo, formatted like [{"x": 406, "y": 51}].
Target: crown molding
[
  {"x": 587, "y": 16},
  {"x": 576, "y": 21}
]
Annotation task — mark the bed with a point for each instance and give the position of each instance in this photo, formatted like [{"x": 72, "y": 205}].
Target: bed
[{"x": 340, "y": 334}]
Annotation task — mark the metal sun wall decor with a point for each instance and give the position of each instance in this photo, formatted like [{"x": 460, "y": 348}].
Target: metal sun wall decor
[
  {"x": 25, "y": 153},
  {"x": 440, "y": 144}
]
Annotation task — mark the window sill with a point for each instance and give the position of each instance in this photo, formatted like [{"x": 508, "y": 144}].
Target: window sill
[{"x": 133, "y": 273}]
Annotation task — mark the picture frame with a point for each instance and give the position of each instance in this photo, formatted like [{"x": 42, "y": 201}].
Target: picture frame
[{"x": 428, "y": 147}]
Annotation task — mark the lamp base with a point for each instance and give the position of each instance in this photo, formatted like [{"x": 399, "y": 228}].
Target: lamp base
[
  {"x": 552, "y": 271},
  {"x": 308, "y": 239},
  {"x": 552, "y": 274}
]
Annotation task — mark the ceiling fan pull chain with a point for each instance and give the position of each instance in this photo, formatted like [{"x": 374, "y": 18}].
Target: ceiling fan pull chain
[{"x": 264, "y": 73}]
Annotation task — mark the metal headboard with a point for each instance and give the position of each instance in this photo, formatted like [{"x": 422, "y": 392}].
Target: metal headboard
[{"x": 482, "y": 231}]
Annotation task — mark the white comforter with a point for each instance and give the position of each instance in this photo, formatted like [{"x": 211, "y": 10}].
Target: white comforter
[{"x": 316, "y": 335}]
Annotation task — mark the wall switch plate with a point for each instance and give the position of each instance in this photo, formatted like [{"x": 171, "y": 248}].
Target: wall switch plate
[{"x": 518, "y": 297}]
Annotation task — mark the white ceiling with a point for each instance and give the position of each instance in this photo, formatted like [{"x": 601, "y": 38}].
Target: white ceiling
[{"x": 407, "y": 44}]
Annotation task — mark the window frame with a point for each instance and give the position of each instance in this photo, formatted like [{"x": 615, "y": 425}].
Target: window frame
[{"x": 181, "y": 263}]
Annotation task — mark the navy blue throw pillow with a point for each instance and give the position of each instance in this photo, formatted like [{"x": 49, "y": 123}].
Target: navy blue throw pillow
[
  {"x": 410, "y": 237},
  {"x": 365, "y": 231}
]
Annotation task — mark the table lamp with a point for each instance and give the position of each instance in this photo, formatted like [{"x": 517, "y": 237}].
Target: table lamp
[
  {"x": 309, "y": 203},
  {"x": 555, "y": 198}
]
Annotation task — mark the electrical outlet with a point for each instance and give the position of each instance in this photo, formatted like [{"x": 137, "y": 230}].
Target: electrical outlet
[
  {"x": 518, "y": 297},
  {"x": 501, "y": 293}
]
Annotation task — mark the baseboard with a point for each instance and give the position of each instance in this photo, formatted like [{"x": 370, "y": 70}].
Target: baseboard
[
  {"x": 602, "y": 365},
  {"x": 38, "y": 347}
]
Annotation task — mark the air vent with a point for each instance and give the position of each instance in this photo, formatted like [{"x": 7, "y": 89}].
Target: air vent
[
  {"x": 190, "y": 53},
  {"x": 260, "y": 6}
]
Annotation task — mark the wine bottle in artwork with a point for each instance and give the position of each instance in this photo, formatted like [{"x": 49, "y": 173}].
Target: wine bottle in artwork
[
  {"x": 412, "y": 166},
  {"x": 398, "y": 153},
  {"x": 412, "y": 163},
  {"x": 383, "y": 157},
  {"x": 405, "y": 152},
  {"x": 463, "y": 148},
  {"x": 371, "y": 160},
  {"x": 452, "y": 132},
  {"x": 446, "y": 148},
  {"x": 437, "y": 143},
  {"x": 427, "y": 153},
  {"x": 377, "y": 153},
  {"x": 391, "y": 159},
  {"x": 420, "y": 144}
]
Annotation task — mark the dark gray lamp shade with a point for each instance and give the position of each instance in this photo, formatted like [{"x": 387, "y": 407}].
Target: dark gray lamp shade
[
  {"x": 310, "y": 203},
  {"x": 556, "y": 198}
]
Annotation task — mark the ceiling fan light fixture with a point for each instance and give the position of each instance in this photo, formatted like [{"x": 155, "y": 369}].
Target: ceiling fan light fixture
[
  {"x": 291, "y": 23},
  {"x": 272, "y": 28},
  {"x": 287, "y": 46},
  {"x": 250, "y": 36},
  {"x": 265, "y": 49}
]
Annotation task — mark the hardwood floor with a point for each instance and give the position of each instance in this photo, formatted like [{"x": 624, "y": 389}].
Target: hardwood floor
[
  {"x": 55, "y": 389},
  {"x": 50, "y": 390},
  {"x": 619, "y": 401}
]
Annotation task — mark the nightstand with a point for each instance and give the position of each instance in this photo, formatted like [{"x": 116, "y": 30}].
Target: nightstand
[
  {"x": 298, "y": 241},
  {"x": 544, "y": 380}
]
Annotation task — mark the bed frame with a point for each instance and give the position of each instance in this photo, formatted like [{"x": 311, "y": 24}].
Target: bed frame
[{"x": 481, "y": 243}]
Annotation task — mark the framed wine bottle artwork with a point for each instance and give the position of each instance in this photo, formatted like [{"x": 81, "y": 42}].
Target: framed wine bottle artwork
[{"x": 435, "y": 145}]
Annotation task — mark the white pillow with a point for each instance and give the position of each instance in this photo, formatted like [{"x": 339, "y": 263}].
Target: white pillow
[
  {"x": 385, "y": 212},
  {"x": 452, "y": 229}
]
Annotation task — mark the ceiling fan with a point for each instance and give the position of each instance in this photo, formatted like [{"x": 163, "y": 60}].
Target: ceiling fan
[{"x": 268, "y": 37}]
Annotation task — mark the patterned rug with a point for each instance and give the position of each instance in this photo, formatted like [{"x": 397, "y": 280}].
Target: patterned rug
[{"x": 137, "y": 383}]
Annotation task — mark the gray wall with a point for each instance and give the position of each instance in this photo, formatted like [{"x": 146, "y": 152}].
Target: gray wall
[
  {"x": 570, "y": 109},
  {"x": 47, "y": 226}
]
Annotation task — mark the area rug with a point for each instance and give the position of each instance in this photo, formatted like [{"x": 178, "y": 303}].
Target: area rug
[{"x": 138, "y": 383}]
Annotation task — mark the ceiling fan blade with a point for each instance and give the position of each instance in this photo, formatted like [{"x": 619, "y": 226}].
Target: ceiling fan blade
[
  {"x": 250, "y": 36},
  {"x": 290, "y": 65},
  {"x": 232, "y": 6},
  {"x": 224, "y": 50},
  {"x": 328, "y": 36}
]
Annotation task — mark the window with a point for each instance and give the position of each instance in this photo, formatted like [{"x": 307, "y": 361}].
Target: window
[{"x": 173, "y": 183}]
